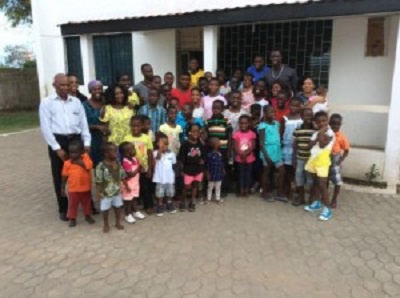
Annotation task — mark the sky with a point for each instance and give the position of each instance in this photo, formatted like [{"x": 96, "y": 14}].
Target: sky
[{"x": 21, "y": 35}]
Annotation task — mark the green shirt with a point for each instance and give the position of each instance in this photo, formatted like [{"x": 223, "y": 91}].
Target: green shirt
[{"x": 109, "y": 179}]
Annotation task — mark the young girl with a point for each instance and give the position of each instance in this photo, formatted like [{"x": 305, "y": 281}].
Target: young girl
[
  {"x": 290, "y": 123},
  {"x": 146, "y": 127},
  {"x": 198, "y": 110},
  {"x": 235, "y": 110},
  {"x": 247, "y": 92},
  {"x": 191, "y": 158},
  {"x": 215, "y": 169},
  {"x": 77, "y": 172},
  {"x": 164, "y": 175},
  {"x": 271, "y": 153},
  {"x": 213, "y": 95},
  {"x": 144, "y": 152},
  {"x": 172, "y": 130},
  {"x": 109, "y": 176},
  {"x": 244, "y": 144},
  {"x": 132, "y": 170}
]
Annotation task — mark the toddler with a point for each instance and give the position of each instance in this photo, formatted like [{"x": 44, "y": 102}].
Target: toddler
[{"x": 215, "y": 170}]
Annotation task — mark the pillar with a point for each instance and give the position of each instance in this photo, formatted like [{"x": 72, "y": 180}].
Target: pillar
[
  {"x": 392, "y": 149},
  {"x": 88, "y": 68},
  {"x": 210, "y": 48}
]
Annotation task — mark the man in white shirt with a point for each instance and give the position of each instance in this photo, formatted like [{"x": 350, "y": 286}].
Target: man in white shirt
[{"x": 62, "y": 119}]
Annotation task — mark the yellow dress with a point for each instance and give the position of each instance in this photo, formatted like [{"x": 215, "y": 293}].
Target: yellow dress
[
  {"x": 118, "y": 121},
  {"x": 133, "y": 99}
]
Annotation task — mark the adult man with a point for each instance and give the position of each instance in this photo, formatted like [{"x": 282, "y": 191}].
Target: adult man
[
  {"x": 142, "y": 88},
  {"x": 183, "y": 91},
  {"x": 258, "y": 69},
  {"x": 195, "y": 72},
  {"x": 62, "y": 119},
  {"x": 281, "y": 72}
]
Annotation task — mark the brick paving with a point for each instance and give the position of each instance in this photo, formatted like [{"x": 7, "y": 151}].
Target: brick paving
[{"x": 248, "y": 248}]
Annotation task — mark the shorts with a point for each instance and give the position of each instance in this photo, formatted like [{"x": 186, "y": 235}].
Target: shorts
[
  {"x": 334, "y": 172},
  {"x": 165, "y": 190},
  {"x": 302, "y": 177},
  {"x": 321, "y": 171},
  {"x": 107, "y": 202},
  {"x": 189, "y": 179}
]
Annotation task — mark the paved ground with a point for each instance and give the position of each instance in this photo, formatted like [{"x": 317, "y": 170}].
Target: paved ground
[{"x": 247, "y": 248}]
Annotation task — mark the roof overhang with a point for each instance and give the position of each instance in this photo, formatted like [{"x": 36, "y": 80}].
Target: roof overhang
[{"x": 250, "y": 14}]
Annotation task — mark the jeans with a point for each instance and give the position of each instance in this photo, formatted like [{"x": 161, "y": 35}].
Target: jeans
[{"x": 245, "y": 172}]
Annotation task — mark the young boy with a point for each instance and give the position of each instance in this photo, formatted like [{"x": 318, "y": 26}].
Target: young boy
[
  {"x": 146, "y": 127},
  {"x": 109, "y": 176},
  {"x": 215, "y": 170},
  {"x": 164, "y": 175},
  {"x": 219, "y": 127},
  {"x": 172, "y": 130},
  {"x": 318, "y": 165},
  {"x": 77, "y": 172},
  {"x": 156, "y": 113},
  {"x": 340, "y": 151},
  {"x": 213, "y": 95},
  {"x": 282, "y": 107},
  {"x": 165, "y": 95},
  {"x": 301, "y": 153}
]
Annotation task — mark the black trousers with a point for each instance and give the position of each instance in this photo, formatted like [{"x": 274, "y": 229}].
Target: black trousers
[
  {"x": 56, "y": 169},
  {"x": 146, "y": 191}
]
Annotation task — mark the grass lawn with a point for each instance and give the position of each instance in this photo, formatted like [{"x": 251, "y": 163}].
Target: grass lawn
[{"x": 16, "y": 121}]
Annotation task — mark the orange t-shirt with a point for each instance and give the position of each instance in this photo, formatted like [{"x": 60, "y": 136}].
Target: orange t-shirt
[
  {"x": 79, "y": 178},
  {"x": 341, "y": 143}
]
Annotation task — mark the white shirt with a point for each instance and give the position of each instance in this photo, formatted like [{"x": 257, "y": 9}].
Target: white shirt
[
  {"x": 262, "y": 103},
  {"x": 163, "y": 171},
  {"x": 63, "y": 117},
  {"x": 198, "y": 112}
]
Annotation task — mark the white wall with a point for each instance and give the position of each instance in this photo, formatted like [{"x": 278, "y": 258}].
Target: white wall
[
  {"x": 359, "y": 86},
  {"x": 156, "y": 48}
]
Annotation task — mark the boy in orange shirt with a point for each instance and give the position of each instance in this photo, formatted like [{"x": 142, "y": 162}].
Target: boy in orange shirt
[
  {"x": 77, "y": 172},
  {"x": 340, "y": 151}
]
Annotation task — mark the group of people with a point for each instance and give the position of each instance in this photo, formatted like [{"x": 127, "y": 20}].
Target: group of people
[{"x": 154, "y": 148}]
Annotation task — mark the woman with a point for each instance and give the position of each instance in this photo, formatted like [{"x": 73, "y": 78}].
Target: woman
[
  {"x": 315, "y": 100},
  {"x": 98, "y": 130},
  {"x": 117, "y": 114},
  {"x": 308, "y": 89}
]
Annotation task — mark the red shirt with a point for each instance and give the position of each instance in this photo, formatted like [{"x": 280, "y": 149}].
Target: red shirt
[
  {"x": 278, "y": 112},
  {"x": 184, "y": 97}
]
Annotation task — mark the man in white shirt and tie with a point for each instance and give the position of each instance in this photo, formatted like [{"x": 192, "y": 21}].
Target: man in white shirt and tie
[{"x": 62, "y": 119}]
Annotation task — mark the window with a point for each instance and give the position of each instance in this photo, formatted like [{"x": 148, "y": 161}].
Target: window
[
  {"x": 74, "y": 58},
  {"x": 376, "y": 37},
  {"x": 305, "y": 46},
  {"x": 112, "y": 56}
]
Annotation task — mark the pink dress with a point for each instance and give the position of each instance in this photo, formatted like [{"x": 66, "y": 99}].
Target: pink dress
[
  {"x": 247, "y": 100},
  {"x": 244, "y": 141},
  {"x": 133, "y": 182}
]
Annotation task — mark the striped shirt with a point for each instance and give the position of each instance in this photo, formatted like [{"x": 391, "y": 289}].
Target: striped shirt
[
  {"x": 219, "y": 127},
  {"x": 157, "y": 115},
  {"x": 302, "y": 137}
]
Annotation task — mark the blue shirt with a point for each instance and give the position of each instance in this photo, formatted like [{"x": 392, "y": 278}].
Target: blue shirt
[
  {"x": 157, "y": 115},
  {"x": 182, "y": 122},
  {"x": 258, "y": 74},
  {"x": 215, "y": 166}
]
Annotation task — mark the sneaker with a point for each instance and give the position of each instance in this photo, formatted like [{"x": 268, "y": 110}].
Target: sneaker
[
  {"x": 159, "y": 210},
  {"x": 192, "y": 207},
  {"x": 160, "y": 214},
  {"x": 326, "y": 214},
  {"x": 138, "y": 215},
  {"x": 182, "y": 207},
  {"x": 129, "y": 219},
  {"x": 171, "y": 208},
  {"x": 315, "y": 206}
]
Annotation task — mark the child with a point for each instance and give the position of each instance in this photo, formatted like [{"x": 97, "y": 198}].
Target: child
[
  {"x": 282, "y": 107},
  {"x": 218, "y": 126},
  {"x": 156, "y": 113},
  {"x": 235, "y": 111},
  {"x": 169, "y": 78},
  {"x": 164, "y": 175},
  {"x": 173, "y": 102},
  {"x": 224, "y": 87},
  {"x": 146, "y": 127},
  {"x": 132, "y": 170},
  {"x": 77, "y": 172},
  {"x": 184, "y": 118},
  {"x": 172, "y": 130},
  {"x": 208, "y": 75},
  {"x": 255, "y": 112},
  {"x": 203, "y": 86},
  {"x": 318, "y": 164},
  {"x": 244, "y": 145},
  {"x": 271, "y": 153},
  {"x": 276, "y": 86},
  {"x": 213, "y": 95},
  {"x": 290, "y": 123},
  {"x": 144, "y": 152},
  {"x": 191, "y": 158},
  {"x": 259, "y": 93},
  {"x": 215, "y": 170},
  {"x": 301, "y": 153},
  {"x": 247, "y": 91},
  {"x": 165, "y": 95},
  {"x": 109, "y": 176},
  {"x": 340, "y": 151},
  {"x": 198, "y": 111},
  {"x": 156, "y": 83},
  {"x": 319, "y": 101}
]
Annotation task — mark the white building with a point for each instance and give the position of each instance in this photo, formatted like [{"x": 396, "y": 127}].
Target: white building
[{"x": 352, "y": 45}]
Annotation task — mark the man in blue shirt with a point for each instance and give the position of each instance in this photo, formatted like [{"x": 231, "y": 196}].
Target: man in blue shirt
[{"x": 258, "y": 69}]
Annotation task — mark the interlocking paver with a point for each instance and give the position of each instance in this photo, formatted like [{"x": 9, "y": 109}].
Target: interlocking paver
[{"x": 245, "y": 249}]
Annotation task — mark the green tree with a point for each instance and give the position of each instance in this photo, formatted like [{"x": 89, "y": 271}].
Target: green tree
[
  {"x": 17, "y": 11},
  {"x": 17, "y": 56}
]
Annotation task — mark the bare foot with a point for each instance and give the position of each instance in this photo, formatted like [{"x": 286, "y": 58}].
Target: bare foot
[
  {"x": 106, "y": 229},
  {"x": 119, "y": 226},
  {"x": 333, "y": 205}
]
